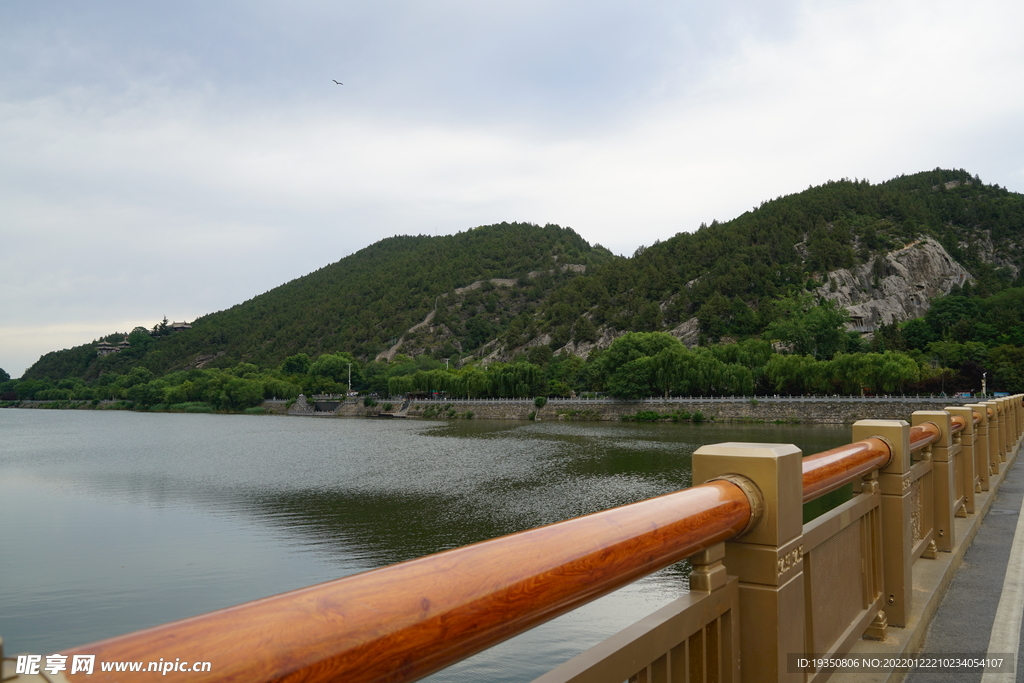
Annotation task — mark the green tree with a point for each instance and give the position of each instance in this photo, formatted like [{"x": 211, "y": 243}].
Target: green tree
[
  {"x": 584, "y": 330},
  {"x": 948, "y": 311},
  {"x": 793, "y": 374},
  {"x": 473, "y": 382},
  {"x": 848, "y": 371},
  {"x": 633, "y": 379},
  {"x": 243, "y": 393},
  {"x": 147, "y": 394},
  {"x": 137, "y": 375},
  {"x": 887, "y": 372},
  {"x": 952, "y": 354},
  {"x": 918, "y": 334},
  {"x": 563, "y": 374},
  {"x": 1007, "y": 367},
  {"x": 810, "y": 328},
  {"x": 296, "y": 365},
  {"x": 335, "y": 368},
  {"x": 517, "y": 380},
  {"x": 28, "y": 388},
  {"x": 631, "y": 346}
]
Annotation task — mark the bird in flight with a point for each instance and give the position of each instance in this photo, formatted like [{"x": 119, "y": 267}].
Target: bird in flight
[{"x": 337, "y": 82}]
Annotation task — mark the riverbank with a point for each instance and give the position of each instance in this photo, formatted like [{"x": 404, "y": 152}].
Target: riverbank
[
  {"x": 795, "y": 410},
  {"x": 771, "y": 409},
  {"x": 279, "y": 407}
]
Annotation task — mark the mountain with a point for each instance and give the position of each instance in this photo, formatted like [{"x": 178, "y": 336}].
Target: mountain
[
  {"x": 882, "y": 251},
  {"x": 362, "y": 304}
]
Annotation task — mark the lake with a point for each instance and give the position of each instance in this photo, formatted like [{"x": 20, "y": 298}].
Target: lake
[{"x": 116, "y": 521}]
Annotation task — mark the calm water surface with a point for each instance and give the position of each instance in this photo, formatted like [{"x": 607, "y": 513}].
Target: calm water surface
[{"x": 116, "y": 521}]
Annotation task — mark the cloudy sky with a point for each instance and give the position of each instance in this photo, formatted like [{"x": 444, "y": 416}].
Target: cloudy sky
[{"x": 178, "y": 158}]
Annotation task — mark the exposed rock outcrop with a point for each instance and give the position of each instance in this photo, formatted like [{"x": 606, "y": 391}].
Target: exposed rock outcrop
[
  {"x": 687, "y": 332},
  {"x": 605, "y": 336},
  {"x": 1006, "y": 255},
  {"x": 896, "y": 286}
]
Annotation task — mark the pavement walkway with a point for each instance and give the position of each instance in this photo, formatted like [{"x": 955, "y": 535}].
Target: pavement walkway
[{"x": 981, "y": 610}]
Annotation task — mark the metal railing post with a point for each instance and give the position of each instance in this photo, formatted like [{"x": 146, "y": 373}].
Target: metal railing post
[
  {"x": 995, "y": 437},
  {"x": 767, "y": 559},
  {"x": 1014, "y": 403},
  {"x": 1020, "y": 415},
  {"x": 1019, "y": 412},
  {"x": 943, "y": 454},
  {"x": 1007, "y": 425},
  {"x": 1000, "y": 406},
  {"x": 982, "y": 459},
  {"x": 897, "y": 515},
  {"x": 967, "y": 477},
  {"x": 1010, "y": 426}
]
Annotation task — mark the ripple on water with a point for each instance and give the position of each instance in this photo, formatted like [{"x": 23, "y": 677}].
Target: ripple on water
[{"x": 138, "y": 519}]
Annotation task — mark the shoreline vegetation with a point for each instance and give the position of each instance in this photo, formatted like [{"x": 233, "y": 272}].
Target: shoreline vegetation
[
  {"x": 97, "y": 404},
  {"x": 636, "y": 365},
  {"x": 694, "y": 410}
]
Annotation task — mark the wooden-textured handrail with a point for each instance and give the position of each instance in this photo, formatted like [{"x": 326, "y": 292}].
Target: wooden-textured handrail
[
  {"x": 405, "y": 621},
  {"x": 924, "y": 434},
  {"x": 957, "y": 423},
  {"x": 828, "y": 470},
  {"x": 831, "y": 469}
]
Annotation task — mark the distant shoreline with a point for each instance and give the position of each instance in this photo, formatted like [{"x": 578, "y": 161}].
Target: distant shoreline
[{"x": 760, "y": 409}]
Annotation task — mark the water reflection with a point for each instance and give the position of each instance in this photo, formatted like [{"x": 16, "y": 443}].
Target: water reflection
[{"x": 140, "y": 519}]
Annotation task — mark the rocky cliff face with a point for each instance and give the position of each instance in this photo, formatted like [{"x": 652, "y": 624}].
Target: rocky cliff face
[
  {"x": 896, "y": 286},
  {"x": 891, "y": 287}
]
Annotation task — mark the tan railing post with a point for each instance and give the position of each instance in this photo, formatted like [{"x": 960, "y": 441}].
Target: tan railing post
[
  {"x": 1011, "y": 425},
  {"x": 897, "y": 515},
  {"x": 1012, "y": 404},
  {"x": 1020, "y": 415},
  {"x": 1012, "y": 409},
  {"x": 1016, "y": 412},
  {"x": 1004, "y": 430},
  {"x": 966, "y": 477},
  {"x": 1005, "y": 423},
  {"x": 943, "y": 455},
  {"x": 995, "y": 439},
  {"x": 1011, "y": 421},
  {"x": 982, "y": 459},
  {"x": 768, "y": 559},
  {"x": 1011, "y": 417},
  {"x": 1019, "y": 411}
]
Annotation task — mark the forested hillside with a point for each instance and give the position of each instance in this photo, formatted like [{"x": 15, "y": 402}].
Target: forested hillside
[
  {"x": 730, "y": 277},
  {"x": 361, "y": 304},
  {"x": 523, "y": 308}
]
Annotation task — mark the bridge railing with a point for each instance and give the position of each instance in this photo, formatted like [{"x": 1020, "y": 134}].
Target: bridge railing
[
  {"x": 402, "y": 622},
  {"x": 764, "y": 584}
]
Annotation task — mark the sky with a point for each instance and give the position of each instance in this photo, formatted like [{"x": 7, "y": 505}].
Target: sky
[{"x": 175, "y": 159}]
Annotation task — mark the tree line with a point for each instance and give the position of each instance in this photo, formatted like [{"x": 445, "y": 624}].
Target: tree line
[{"x": 636, "y": 365}]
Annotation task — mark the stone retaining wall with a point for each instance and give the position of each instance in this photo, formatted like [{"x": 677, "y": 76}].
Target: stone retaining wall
[
  {"x": 818, "y": 412},
  {"x": 815, "y": 411}
]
